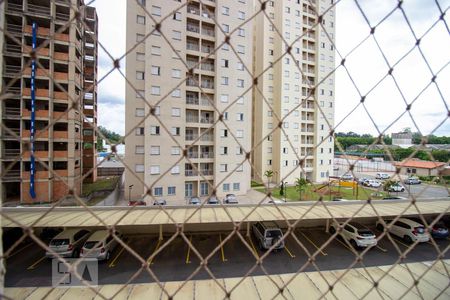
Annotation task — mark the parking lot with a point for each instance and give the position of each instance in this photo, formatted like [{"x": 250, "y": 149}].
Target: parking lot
[{"x": 172, "y": 259}]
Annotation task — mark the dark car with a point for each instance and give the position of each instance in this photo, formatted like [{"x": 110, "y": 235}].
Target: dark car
[
  {"x": 194, "y": 201},
  {"x": 213, "y": 200},
  {"x": 413, "y": 180},
  {"x": 160, "y": 202},
  {"x": 136, "y": 203},
  {"x": 439, "y": 231}
]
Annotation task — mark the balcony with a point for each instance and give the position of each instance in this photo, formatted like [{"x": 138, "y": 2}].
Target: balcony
[
  {"x": 11, "y": 175},
  {"x": 14, "y": 29},
  {"x": 192, "y": 28},
  {"x": 61, "y": 173},
  {"x": 39, "y": 72},
  {"x": 60, "y": 134},
  {"x": 12, "y": 49},
  {"x": 207, "y": 67},
  {"x": 207, "y": 84},
  {"x": 192, "y": 47},
  {"x": 60, "y": 115},
  {"x": 39, "y": 134},
  {"x": 12, "y": 71},
  {"x": 191, "y": 173},
  {"x": 192, "y": 100},
  {"x": 11, "y": 153},
  {"x": 62, "y": 37},
  {"x": 207, "y": 138},
  {"x": 11, "y": 113},
  {"x": 37, "y": 174},
  {"x": 39, "y": 92},
  {"x": 60, "y": 154},
  {"x": 37, "y": 153},
  {"x": 205, "y": 120},
  {"x": 191, "y": 137},
  {"x": 207, "y": 172},
  {"x": 192, "y": 154},
  {"x": 43, "y": 31},
  {"x": 38, "y": 10},
  {"x": 193, "y": 10},
  {"x": 12, "y": 133},
  {"x": 41, "y": 113},
  {"x": 208, "y": 32},
  {"x": 61, "y": 76},
  {"x": 40, "y": 52},
  {"x": 207, "y": 155},
  {"x": 60, "y": 96},
  {"x": 61, "y": 56},
  {"x": 14, "y": 8},
  {"x": 192, "y": 119}
]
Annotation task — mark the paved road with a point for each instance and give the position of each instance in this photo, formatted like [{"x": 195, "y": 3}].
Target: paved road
[{"x": 176, "y": 261}]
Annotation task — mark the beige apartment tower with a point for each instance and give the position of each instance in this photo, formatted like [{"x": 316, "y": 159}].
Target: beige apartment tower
[
  {"x": 298, "y": 89},
  {"x": 189, "y": 104}
]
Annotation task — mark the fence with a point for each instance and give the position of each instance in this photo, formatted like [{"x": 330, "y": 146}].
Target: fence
[{"x": 316, "y": 31}]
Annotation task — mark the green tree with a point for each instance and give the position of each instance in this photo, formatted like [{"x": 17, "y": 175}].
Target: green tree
[
  {"x": 388, "y": 184},
  {"x": 269, "y": 174},
  {"x": 300, "y": 186}
]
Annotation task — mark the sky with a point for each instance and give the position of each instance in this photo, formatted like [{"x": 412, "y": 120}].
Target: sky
[{"x": 385, "y": 103}]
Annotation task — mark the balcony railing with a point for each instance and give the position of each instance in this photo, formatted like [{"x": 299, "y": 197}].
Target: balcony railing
[
  {"x": 12, "y": 70},
  {"x": 191, "y": 119},
  {"x": 207, "y": 85},
  {"x": 62, "y": 17},
  {"x": 12, "y": 48},
  {"x": 192, "y": 155},
  {"x": 205, "y": 102},
  {"x": 208, "y": 32},
  {"x": 193, "y": 47},
  {"x": 207, "y": 155},
  {"x": 12, "y": 112},
  {"x": 191, "y": 137},
  {"x": 191, "y": 82},
  {"x": 207, "y": 138},
  {"x": 14, "y": 28},
  {"x": 192, "y": 100},
  {"x": 11, "y": 153},
  {"x": 11, "y": 174},
  {"x": 207, "y": 172},
  {"x": 207, "y": 49},
  {"x": 11, "y": 7},
  {"x": 190, "y": 173},
  {"x": 193, "y": 10},
  {"x": 37, "y": 9},
  {"x": 206, "y": 120},
  {"x": 192, "y": 28},
  {"x": 207, "y": 67}
]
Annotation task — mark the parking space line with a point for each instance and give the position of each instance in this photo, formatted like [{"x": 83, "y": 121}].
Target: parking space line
[
  {"x": 188, "y": 261},
  {"x": 113, "y": 262},
  {"x": 312, "y": 243},
  {"x": 33, "y": 266},
  {"x": 344, "y": 244},
  {"x": 150, "y": 259},
  {"x": 382, "y": 249},
  {"x": 288, "y": 252},
  {"x": 20, "y": 250},
  {"x": 401, "y": 243},
  {"x": 221, "y": 249},
  {"x": 253, "y": 246}
]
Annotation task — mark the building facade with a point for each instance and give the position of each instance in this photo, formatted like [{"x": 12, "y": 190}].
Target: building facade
[
  {"x": 66, "y": 71},
  {"x": 188, "y": 106},
  {"x": 296, "y": 91}
]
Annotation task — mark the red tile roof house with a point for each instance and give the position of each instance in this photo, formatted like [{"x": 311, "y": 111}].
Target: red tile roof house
[{"x": 419, "y": 167}]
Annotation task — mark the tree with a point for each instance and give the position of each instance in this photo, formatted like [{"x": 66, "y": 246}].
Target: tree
[
  {"x": 388, "y": 184},
  {"x": 282, "y": 189},
  {"x": 300, "y": 185},
  {"x": 268, "y": 174}
]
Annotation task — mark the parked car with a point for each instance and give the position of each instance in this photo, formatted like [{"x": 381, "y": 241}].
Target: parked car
[
  {"x": 275, "y": 201},
  {"x": 373, "y": 183},
  {"x": 382, "y": 176},
  {"x": 339, "y": 199},
  {"x": 347, "y": 177},
  {"x": 439, "y": 231},
  {"x": 397, "y": 187},
  {"x": 137, "y": 203},
  {"x": 230, "y": 199},
  {"x": 413, "y": 180},
  {"x": 409, "y": 230},
  {"x": 394, "y": 198},
  {"x": 160, "y": 202},
  {"x": 268, "y": 234},
  {"x": 356, "y": 234},
  {"x": 194, "y": 201},
  {"x": 100, "y": 245},
  {"x": 362, "y": 180},
  {"x": 213, "y": 200},
  {"x": 68, "y": 243}
]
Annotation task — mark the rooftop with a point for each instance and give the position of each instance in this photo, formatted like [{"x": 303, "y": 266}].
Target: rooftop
[{"x": 421, "y": 164}]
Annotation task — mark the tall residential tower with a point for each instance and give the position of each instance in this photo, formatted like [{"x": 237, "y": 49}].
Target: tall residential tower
[
  {"x": 190, "y": 84},
  {"x": 66, "y": 69}
]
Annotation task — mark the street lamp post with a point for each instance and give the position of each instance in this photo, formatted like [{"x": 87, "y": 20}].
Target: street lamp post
[
  {"x": 285, "y": 190},
  {"x": 129, "y": 192}
]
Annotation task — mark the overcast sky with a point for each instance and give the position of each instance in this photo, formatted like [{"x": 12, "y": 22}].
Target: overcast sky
[{"x": 366, "y": 66}]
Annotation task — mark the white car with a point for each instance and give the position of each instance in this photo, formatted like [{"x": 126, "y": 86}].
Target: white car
[
  {"x": 382, "y": 176},
  {"x": 68, "y": 243},
  {"x": 406, "y": 229},
  {"x": 373, "y": 183},
  {"x": 347, "y": 177},
  {"x": 356, "y": 234},
  {"x": 100, "y": 245},
  {"x": 397, "y": 187}
]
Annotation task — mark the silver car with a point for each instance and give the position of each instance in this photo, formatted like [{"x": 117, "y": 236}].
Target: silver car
[
  {"x": 68, "y": 243},
  {"x": 268, "y": 234},
  {"x": 100, "y": 245}
]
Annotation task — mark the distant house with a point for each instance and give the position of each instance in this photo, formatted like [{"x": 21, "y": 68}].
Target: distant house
[
  {"x": 419, "y": 167},
  {"x": 402, "y": 139}
]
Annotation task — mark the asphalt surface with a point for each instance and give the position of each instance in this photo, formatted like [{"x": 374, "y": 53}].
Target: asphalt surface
[{"x": 176, "y": 261}]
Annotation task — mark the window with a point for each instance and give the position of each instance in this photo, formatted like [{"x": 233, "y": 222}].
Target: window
[
  {"x": 156, "y": 90},
  {"x": 285, "y": 150},
  {"x": 175, "y": 131},
  {"x": 240, "y": 133},
  {"x": 269, "y": 149},
  {"x": 157, "y": 110},
  {"x": 156, "y": 50},
  {"x": 287, "y": 10},
  {"x": 239, "y": 117},
  {"x": 140, "y": 75},
  {"x": 175, "y": 151},
  {"x": 158, "y": 191},
  {"x": 140, "y": 112},
  {"x": 139, "y": 131},
  {"x": 156, "y": 10},
  {"x": 223, "y": 150},
  {"x": 154, "y": 150},
  {"x": 154, "y": 170},
  {"x": 226, "y": 28},
  {"x": 225, "y": 11},
  {"x": 269, "y": 125},
  {"x": 239, "y": 150},
  {"x": 286, "y": 124},
  {"x": 175, "y": 170},
  {"x": 171, "y": 190},
  {"x": 241, "y": 32},
  {"x": 154, "y": 130},
  {"x": 140, "y": 56},
  {"x": 176, "y": 112},
  {"x": 240, "y": 100},
  {"x": 224, "y": 63},
  {"x": 285, "y": 163},
  {"x": 241, "y": 15},
  {"x": 156, "y": 70},
  {"x": 224, "y": 80},
  {"x": 140, "y": 19},
  {"x": 223, "y": 168},
  {"x": 224, "y": 98},
  {"x": 239, "y": 167},
  {"x": 141, "y": 2},
  {"x": 176, "y": 93},
  {"x": 286, "y": 99},
  {"x": 240, "y": 83},
  {"x": 139, "y": 168},
  {"x": 176, "y": 35},
  {"x": 240, "y": 66},
  {"x": 139, "y": 37},
  {"x": 139, "y": 150},
  {"x": 177, "y": 16},
  {"x": 223, "y": 132},
  {"x": 226, "y": 187},
  {"x": 241, "y": 49},
  {"x": 236, "y": 186},
  {"x": 176, "y": 73}
]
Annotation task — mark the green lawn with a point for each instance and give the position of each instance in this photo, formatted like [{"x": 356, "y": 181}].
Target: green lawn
[
  {"x": 103, "y": 184},
  {"x": 312, "y": 193}
]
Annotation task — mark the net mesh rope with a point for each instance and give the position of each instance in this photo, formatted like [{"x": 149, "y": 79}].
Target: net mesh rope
[{"x": 251, "y": 86}]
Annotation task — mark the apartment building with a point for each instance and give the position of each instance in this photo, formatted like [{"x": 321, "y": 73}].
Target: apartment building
[
  {"x": 188, "y": 106},
  {"x": 64, "y": 142},
  {"x": 298, "y": 90}
]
